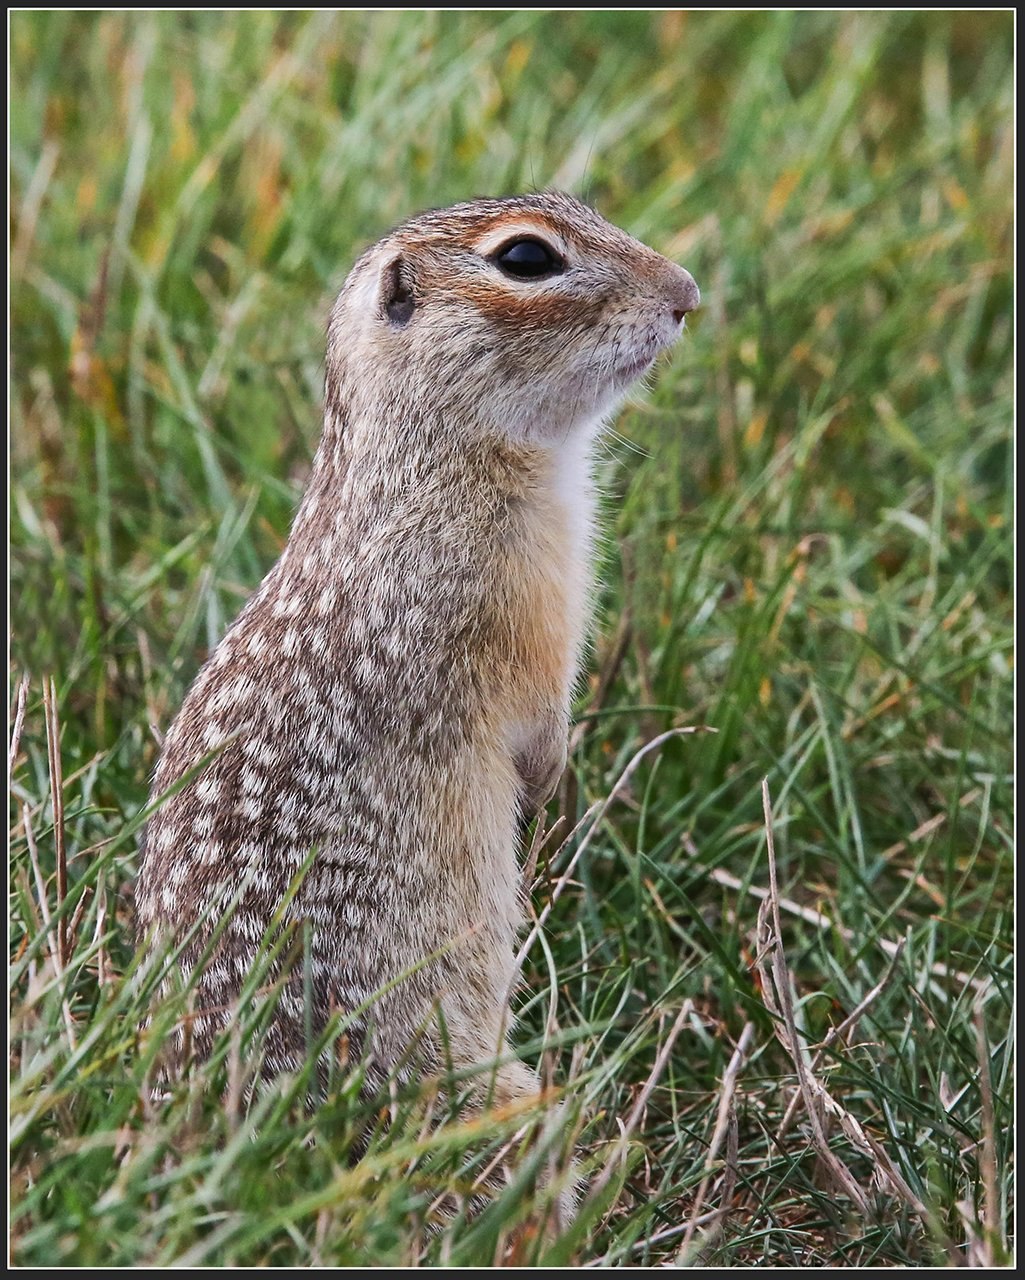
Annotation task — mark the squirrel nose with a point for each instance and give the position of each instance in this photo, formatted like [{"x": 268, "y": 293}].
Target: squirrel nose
[{"x": 685, "y": 295}]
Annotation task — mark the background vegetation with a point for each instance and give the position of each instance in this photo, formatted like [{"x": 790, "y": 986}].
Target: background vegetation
[{"x": 808, "y": 550}]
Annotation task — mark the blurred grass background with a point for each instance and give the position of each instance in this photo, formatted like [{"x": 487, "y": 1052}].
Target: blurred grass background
[{"x": 809, "y": 533}]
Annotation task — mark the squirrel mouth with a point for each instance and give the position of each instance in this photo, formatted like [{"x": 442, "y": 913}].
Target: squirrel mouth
[{"x": 634, "y": 368}]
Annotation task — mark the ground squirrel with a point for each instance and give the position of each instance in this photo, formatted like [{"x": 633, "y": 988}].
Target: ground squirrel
[{"x": 395, "y": 696}]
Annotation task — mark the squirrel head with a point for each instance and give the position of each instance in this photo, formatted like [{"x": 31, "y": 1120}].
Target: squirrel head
[{"x": 530, "y": 316}]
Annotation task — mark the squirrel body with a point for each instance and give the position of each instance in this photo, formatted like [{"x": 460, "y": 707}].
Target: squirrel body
[{"x": 395, "y": 696}]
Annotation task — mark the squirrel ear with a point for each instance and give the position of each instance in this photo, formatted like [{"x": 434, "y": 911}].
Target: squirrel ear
[{"x": 398, "y": 300}]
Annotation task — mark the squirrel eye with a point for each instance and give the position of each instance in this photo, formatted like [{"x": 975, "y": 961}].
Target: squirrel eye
[{"x": 529, "y": 259}]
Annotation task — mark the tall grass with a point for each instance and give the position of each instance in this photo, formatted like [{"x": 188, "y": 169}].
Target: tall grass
[{"x": 808, "y": 550}]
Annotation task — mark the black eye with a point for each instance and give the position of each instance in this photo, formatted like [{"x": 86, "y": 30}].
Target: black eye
[{"x": 529, "y": 259}]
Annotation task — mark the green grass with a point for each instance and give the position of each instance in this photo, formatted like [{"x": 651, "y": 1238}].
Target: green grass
[{"x": 808, "y": 548}]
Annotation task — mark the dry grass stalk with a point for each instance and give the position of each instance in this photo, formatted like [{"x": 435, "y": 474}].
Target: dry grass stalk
[
  {"x": 51, "y": 936},
  {"x": 31, "y": 206},
  {"x": 19, "y": 721},
  {"x": 725, "y": 1127},
  {"x": 102, "y": 974},
  {"x": 57, "y": 800},
  {"x": 985, "y": 1248},
  {"x": 540, "y": 840}
]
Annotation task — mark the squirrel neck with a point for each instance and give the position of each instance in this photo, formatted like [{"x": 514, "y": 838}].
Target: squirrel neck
[{"x": 372, "y": 470}]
